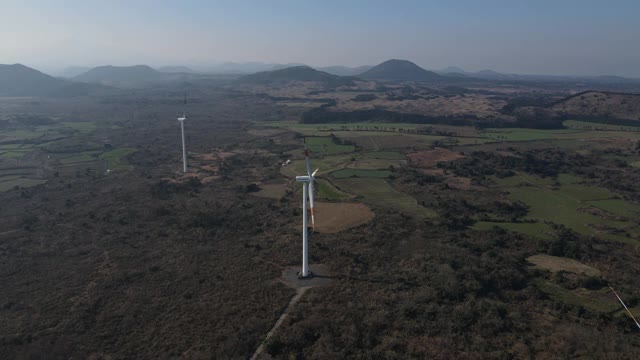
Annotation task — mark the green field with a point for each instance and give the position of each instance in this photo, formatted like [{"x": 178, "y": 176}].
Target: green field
[
  {"x": 82, "y": 126},
  {"x": 555, "y": 136},
  {"x": 565, "y": 204},
  {"x": 378, "y": 192},
  {"x": 325, "y": 146},
  {"x": 557, "y": 263},
  {"x": 115, "y": 158},
  {"x": 85, "y": 156},
  {"x": 385, "y": 155},
  {"x": 560, "y": 206},
  {"x": 585, "y": 125},
  {"x": 618, "y": 206},
  {"x": 538, "y": 230},
  {"x": 347, "y": 173},
  {"x": 520, "y": 134},
  {"x": 521, "y": 178},
  {"x": 325, "y": 165},
  {"x": 595, "y": 300},
  {"x": 20, "y": 182},
  {"x": 322, "y": 129},
  {"x": 327, "y": 191}
]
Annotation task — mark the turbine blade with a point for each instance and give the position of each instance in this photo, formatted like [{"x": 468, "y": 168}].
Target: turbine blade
[
  {"x": 314, "y": 173},
  {"x": 306, "y": 157},
  {"x": 313, "y": 220}
]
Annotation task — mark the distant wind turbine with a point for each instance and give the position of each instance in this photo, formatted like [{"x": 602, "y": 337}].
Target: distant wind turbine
[
  {"x": 184, "y": 146},
  {"x": 307, "y": 185}
]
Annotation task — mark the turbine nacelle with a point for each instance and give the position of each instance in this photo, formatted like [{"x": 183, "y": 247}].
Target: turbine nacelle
[{"x": 303, "y": 178}]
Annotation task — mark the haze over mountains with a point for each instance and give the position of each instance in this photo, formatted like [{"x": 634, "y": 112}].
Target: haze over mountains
[
  {"x": 20, "y": 80},
  {"x": 120, "y": 74}
]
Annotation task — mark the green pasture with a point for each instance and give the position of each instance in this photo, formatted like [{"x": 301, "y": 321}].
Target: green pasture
[
  {"x": 618, "y": 206},
  {"x": 521, "y": 178},
  {"x": 325, "y": 165},
  {"x": 585, "y": 125},
  {"x": 326, "y": 190},
  {"x": 84, "y": 156},
  {"x": 560, "y": 206},
  {"x": 82, "y": 126},
  {"x": 538, "y": 229},
  {"x": 347, "y": 173},
  {"x": 378, "y": 192},
  {"x": 557, "y": 264},
  {"x": 595, "y": 300},
  {"x": 20, "y": 182},
  {"x": 522, "y": 134},
  {"x": 116, "y": 158},
  {"x": 325, "y": 146},
  {"x": 385, "y": 155}
]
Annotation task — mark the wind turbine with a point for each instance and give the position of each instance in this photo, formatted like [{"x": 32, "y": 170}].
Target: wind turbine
[
  {"x": 307, "y": 185},
  {"x": 184, "y": 146}
]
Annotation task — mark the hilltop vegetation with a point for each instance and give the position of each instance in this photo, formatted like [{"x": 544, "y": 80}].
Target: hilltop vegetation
[
  {"x": 118, "y": 75},
  {"x": 402, "y": 70},
  {"x": 297, "y": 73}
]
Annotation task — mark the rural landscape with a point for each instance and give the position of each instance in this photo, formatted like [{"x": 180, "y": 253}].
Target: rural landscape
[{"x": 458, "y": 214}]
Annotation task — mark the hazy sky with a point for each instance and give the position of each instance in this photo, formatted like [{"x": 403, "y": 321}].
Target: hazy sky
[{"x": 536, "y": 37}]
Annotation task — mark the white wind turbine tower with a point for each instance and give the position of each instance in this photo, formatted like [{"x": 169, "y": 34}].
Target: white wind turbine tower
[
  {"x": 307, "y": 185},
  {"x": 184, "y": 146}
]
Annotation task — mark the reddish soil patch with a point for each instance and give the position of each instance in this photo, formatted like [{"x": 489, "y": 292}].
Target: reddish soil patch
[
  {"x": 462, "y": 183},
  {"x": 429, "y": 158},
  {"x": 433, "y": 172},
  {"x": 208, "y": 179},
  {"x": 335, "y": 217},
  {"x": 459, "y": 183}
]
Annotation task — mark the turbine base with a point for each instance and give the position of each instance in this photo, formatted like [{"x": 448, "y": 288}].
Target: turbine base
[{"x": 309, "y": 275}]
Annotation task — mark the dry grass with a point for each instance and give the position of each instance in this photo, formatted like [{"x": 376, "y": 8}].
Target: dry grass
[
  {"x": 336, "y": 217},
  {"x": 429, "y": 158},
  {"x": 623, "y": 106},
  {"x": 272, "y": 191}
]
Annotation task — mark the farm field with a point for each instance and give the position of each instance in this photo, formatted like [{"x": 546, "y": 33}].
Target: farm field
[
  {"x": 325, "y": 165},
  {"x": 585, "y": 125},
  {"x": 538, "y": 230},
  {"x": 378, "y": 192},
  {"x": 595, "y": 300},
  {"x": 336, "y": 217},
  {"x": 35, "y": 151},
  {"x": 347, "y": 173},
  {"x": 556, "y": 264},
  {"x": 564, "y": 206},
  {"x": 326, "y": 190},
  {"x": 326, "y": 146},
  {"x": 116, "y": 158}
]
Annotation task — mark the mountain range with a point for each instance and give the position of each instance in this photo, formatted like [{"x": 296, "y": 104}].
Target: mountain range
[{"x": 20, "y": 80}]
